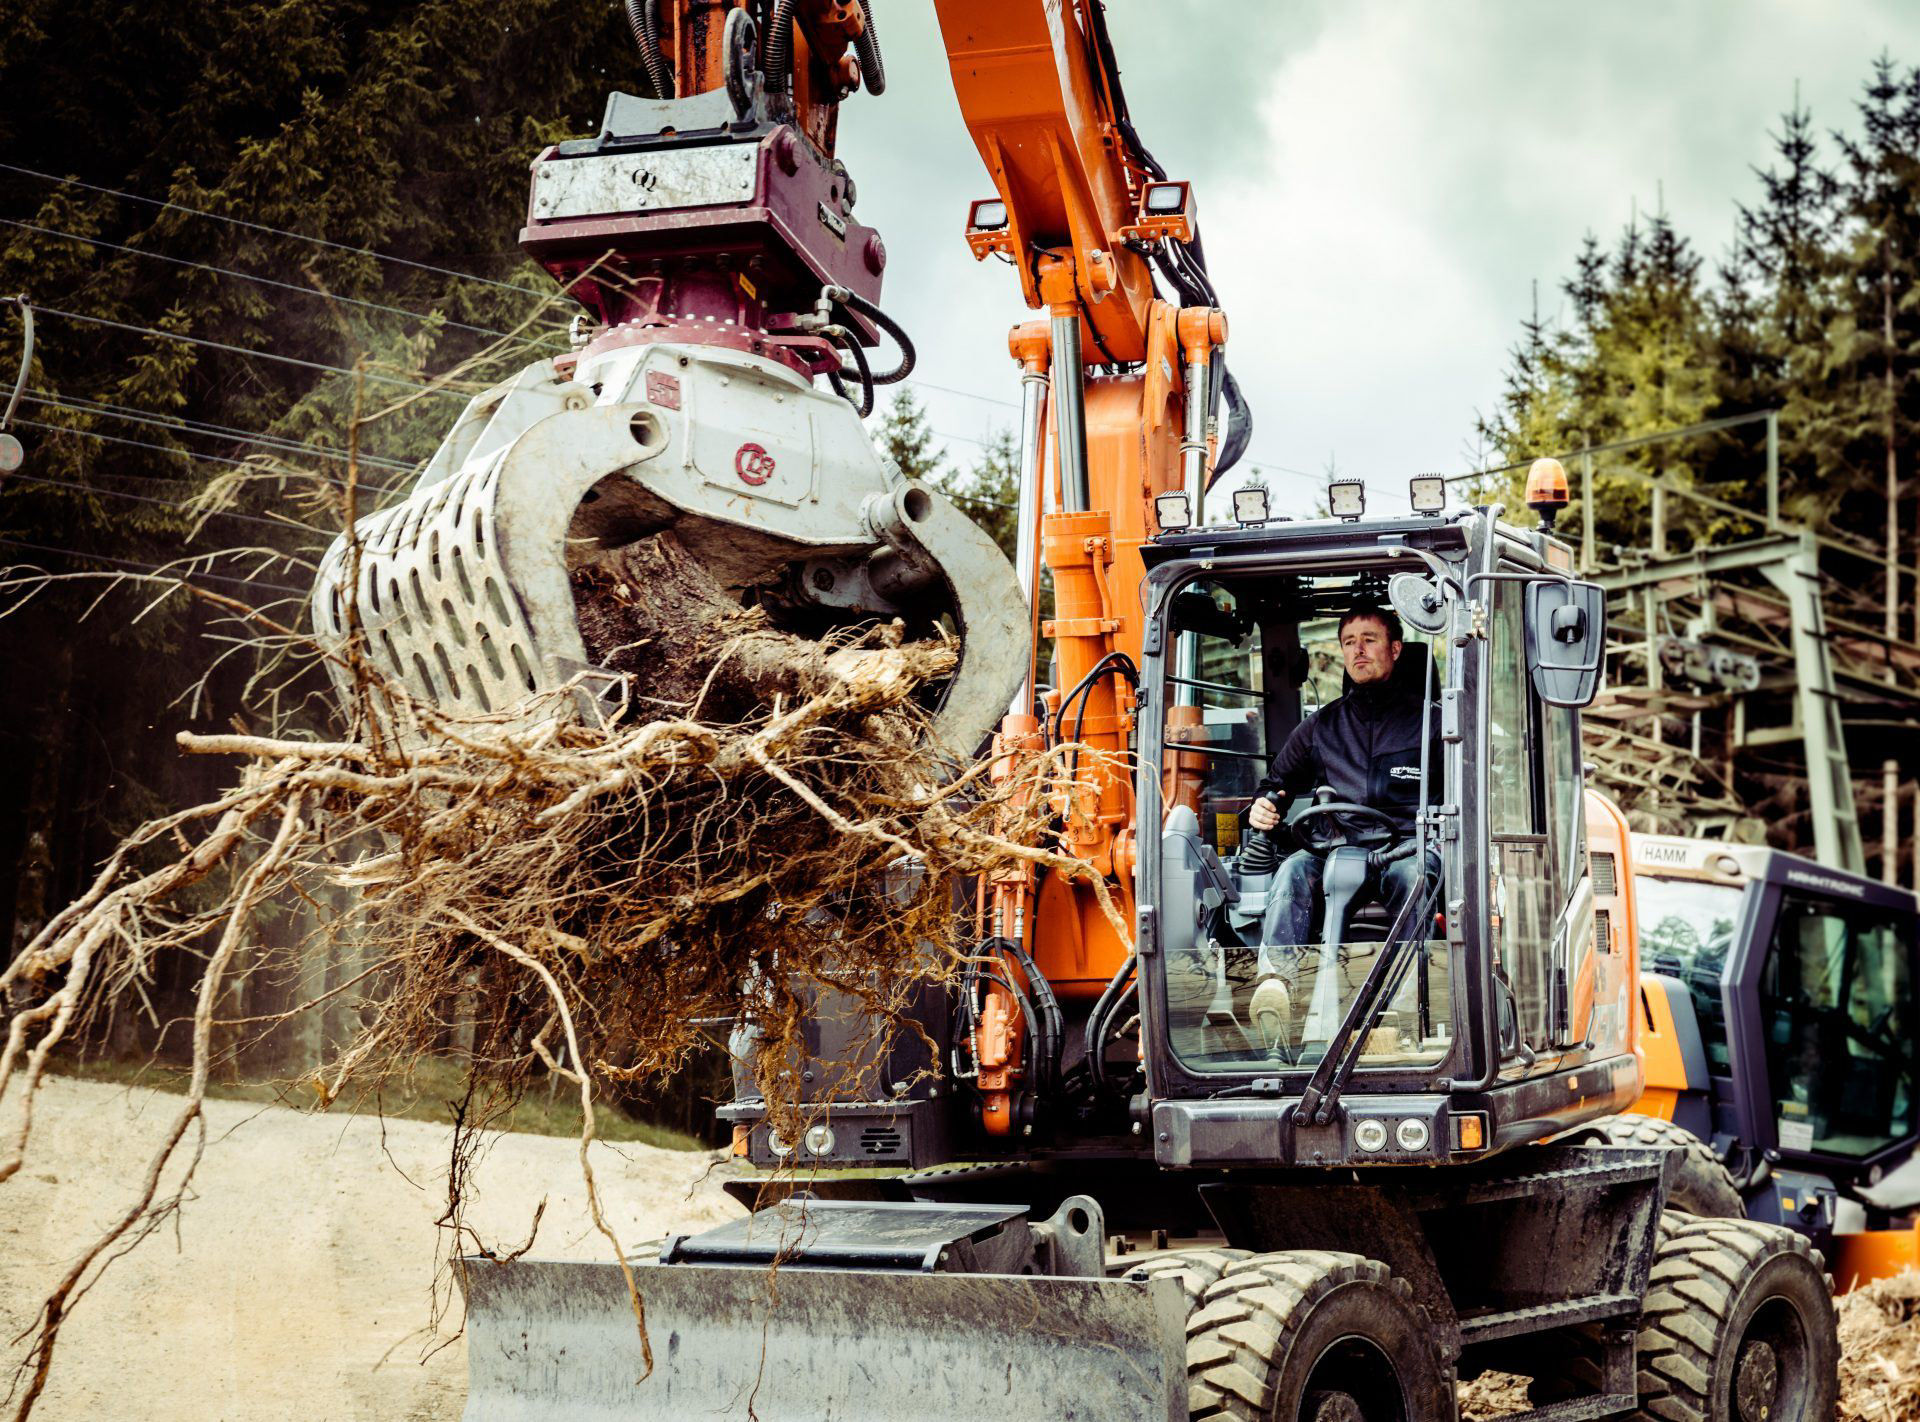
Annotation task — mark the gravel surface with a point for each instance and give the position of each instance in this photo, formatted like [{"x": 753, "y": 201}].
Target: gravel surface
[{"x": 299, "y": 1284}]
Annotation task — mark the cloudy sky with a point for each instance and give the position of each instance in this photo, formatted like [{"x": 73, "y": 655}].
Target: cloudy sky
[{"x": 1380, "y": 183}]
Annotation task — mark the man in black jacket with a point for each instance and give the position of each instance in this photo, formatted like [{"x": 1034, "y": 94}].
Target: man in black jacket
[{"x": 1366, "y": 745}]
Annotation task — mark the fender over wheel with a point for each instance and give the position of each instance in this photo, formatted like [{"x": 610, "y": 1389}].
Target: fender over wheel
[
  {"x": 1313, "y": 1336},
  {"x": 1701, "y": 1184}
]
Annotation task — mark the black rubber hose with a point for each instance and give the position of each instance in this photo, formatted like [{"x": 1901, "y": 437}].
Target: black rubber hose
[
  {"x": 1112, "y": 661},
  {"x": 1049, "y": 1005},
  {"x": 994, "y": 975},
  {"x": 778, "y": 60},
  {"x": 1239, "y": 423},
  {"x": 1097, "y": 1028},
  {"x": 644, "y": 23},
  {"x": 837, "y": 378},
  {"x": 866, "y": 45},
  {"x": 856, "y": 302}
]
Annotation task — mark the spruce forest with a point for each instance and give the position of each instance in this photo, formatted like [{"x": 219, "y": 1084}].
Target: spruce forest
[{"x": 1810, "y": 307}]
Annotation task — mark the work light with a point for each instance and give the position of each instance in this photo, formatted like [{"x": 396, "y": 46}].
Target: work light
[{"x": 1173, "y": 512}]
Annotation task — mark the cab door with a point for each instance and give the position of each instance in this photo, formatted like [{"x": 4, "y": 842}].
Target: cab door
[
  {"x": 1541, "y": 915},
  {"x": 1818, "y": 992}
]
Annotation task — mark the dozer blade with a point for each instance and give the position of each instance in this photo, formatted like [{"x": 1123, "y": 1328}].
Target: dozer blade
[{"x": 553, "y": 1342}]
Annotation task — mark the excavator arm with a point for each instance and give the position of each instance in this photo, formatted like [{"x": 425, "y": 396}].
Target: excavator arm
[
  {"x": 726, "y": 352},
  {"x": 1087, "y": 219},
  {"x": 732, "y": 336}
]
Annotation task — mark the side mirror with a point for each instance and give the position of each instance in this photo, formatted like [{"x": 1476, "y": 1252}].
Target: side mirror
[{"x": 1566, "y": 640}]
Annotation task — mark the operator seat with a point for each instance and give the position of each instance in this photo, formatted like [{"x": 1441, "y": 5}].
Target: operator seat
[{"x": 1343, "y": 878}]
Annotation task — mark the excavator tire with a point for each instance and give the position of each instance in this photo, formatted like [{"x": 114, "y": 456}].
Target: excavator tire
[
  {"x": 1702, "y": 1185},
  {"x": 1738, "y": 1326},
  {"x": 1195, "y": 1269},
  {"x": 1313, "y": 1336}
]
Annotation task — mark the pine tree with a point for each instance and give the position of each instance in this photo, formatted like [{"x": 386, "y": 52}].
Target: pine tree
[
  {"x": 1874, "y": 339},
  {"x": 990, "y": 490},
  {"x": 1628, "y": 366},
  {"x": 404, "y": 128},
  {"x": 906, "y": 438},
  {"x": 987, "y": 492}
]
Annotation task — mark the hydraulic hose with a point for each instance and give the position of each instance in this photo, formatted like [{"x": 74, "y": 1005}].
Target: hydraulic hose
[
  {"x": 1096, "y": 1031},
  {"x": 866, "y": 46},
  {"x": 1037, "y": 1027},
  {"x": 853, "y": 301},
  {"x": 1048, "y": 1005},
  {"x": 1112, "y": 661},
  {"x": 644, "y": 20},
  {"x": 837, "y": 378}
]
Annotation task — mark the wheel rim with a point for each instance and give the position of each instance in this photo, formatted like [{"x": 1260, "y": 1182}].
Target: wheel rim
[
  {"x": 1353, "y": 1381},
  {"x": 1332, "y": 1407},
  {"x": 1772, "y": 1374}
]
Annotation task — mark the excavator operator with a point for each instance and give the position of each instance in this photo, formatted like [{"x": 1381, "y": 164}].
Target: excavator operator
[{"x": 1365, "y": 746}]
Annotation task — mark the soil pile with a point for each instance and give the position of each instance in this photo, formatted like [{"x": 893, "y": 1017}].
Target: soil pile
[{"x": 1880, "y": 1350}]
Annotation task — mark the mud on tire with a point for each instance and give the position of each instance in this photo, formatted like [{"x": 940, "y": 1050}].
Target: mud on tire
[
  {"x": 1313, "y": 1336},
  {"x": 1738, "y": 1326}
]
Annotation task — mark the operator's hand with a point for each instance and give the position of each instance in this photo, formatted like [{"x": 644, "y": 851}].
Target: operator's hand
[{"x": 1263, "y": 814}]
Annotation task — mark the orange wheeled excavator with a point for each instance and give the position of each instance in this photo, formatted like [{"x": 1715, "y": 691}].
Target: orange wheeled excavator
[{"x": 1176, "y": 1172}]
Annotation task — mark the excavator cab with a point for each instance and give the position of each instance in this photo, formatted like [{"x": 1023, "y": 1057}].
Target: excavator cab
[
  {"x": 1391, "y": 1035},
  {"x": 1778, "y": 997}
]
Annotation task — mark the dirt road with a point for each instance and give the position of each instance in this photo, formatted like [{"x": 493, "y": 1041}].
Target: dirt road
[{"x": 299, "y": 1286}]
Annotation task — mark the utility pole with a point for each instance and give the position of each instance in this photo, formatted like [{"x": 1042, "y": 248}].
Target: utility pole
[{"x": 1890, "y": 769}]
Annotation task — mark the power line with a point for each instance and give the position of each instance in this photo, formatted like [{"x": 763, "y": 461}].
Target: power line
[
  {"x": 963, "y": 394},
  {"x": 977, "y": 499},
  {"x": 267, "y": 281},
  {"x": 242, "y": 350},
  {"x": 183, "y": 425},
  {"x": 192, "y": 454},
  {"x": 161, "y": 568},
  {"x": 176, "y": 505},
  {"x": 275, "y": 231}
]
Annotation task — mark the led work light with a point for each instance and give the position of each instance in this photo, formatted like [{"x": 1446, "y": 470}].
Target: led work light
[{"x": 1173, "y": 512}]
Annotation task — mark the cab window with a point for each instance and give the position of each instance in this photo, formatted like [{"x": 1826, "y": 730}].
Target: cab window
[
  {"x": 1835, "y": 1006},
  {"x": 1217, "y": 700},
  {"x": 1524, "y": 904},
  {"x": 1251, "y": 658}
]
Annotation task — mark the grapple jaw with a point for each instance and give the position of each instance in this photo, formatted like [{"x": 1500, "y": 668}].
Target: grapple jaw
[{"x": 463, "y": 587}]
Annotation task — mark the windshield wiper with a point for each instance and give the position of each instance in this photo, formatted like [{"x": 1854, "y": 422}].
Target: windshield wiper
[{"x": 1330, "y": 1077}]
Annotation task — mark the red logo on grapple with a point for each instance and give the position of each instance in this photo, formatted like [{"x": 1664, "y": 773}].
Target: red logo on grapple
[{"x": 753, "y": 464}]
